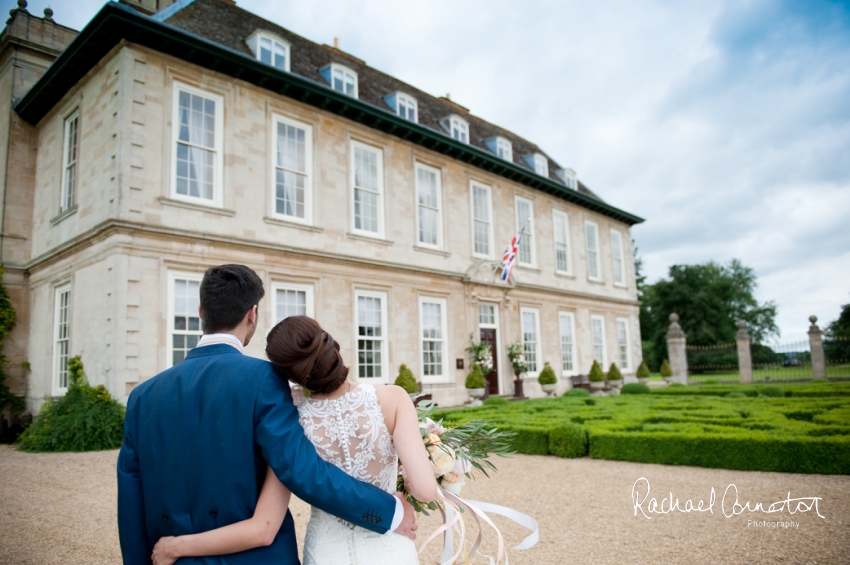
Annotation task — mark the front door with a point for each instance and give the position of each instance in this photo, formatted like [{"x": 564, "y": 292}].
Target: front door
[{"x": 488, "y": 335}]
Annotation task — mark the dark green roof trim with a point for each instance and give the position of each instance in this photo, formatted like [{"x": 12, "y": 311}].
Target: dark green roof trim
[{"x": 116, "y": 22}]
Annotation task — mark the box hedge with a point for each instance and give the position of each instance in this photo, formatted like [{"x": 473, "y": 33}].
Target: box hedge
[{"x": 569, "y": 440}]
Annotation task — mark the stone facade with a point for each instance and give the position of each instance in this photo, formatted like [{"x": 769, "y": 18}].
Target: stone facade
[{"x": 128, "y": 235}]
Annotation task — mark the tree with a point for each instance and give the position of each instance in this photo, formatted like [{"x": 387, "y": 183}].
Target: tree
[
  {"x": 647, "y": 324},
  {"x": 837, "y": 338},
  {"x": 710, "y": 299}
]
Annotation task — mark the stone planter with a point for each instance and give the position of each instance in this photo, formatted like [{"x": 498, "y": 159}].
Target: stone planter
[
  {"x": 598, "y": 385},
  {"x": 476, "y": 394},
  {"x": 643, "y": 380},
  {"x": 550, "y": 389},
  {"x": 668, "y": 380},
  {"x": 616, "y": 383}
]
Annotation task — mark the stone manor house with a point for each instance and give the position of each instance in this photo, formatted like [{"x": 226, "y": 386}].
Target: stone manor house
[{"x": 165, "y": 138}]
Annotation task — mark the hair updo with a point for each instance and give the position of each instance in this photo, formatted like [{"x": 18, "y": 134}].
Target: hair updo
[{"x": 306, "y": 354}]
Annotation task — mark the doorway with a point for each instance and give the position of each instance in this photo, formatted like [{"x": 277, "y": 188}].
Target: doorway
[{"x": 488, "y": 328}]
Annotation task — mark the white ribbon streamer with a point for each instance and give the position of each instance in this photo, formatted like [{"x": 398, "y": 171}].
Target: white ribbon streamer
[{"x": 523, "y": 520}]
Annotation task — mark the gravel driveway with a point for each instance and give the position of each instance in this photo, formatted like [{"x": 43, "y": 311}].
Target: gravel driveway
[{"x": 60, "y": 508}]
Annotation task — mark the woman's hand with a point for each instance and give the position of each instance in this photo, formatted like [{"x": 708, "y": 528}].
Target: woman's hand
[{"x": 165, "y": 551}]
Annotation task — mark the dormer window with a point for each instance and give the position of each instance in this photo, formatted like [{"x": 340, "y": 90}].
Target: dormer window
[
  {"x": 457, "y": 127},
  {"x": 539, "y": 163},
  {"x": 501, "y": 147},
  {"x": 270, "y": 49},
  {"x": 569, "y": 178},
  {"x": 342, "y": 79},
  {"x": 404, "y": 105}
]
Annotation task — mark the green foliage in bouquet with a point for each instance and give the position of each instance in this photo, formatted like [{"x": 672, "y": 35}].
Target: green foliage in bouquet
[
  {"x": 406, "y": 380},
  {"x": 568, "y": 440},
  {"x": 7, "y": 323},
  {"x": 596, "y": 374},
  {"x": 635, "y": 388},
  {"x": 475, "y": 378},
  {"x": 666, "y": 371},
  {"x": 576, "y": 392},
  {"x": 614, "y": 373},
  {"x": 643, "y": 371},
  {"x": 516, "y": 353},
  {"x": 85, "y": 419},
  {"x": 547, "y": 375}
]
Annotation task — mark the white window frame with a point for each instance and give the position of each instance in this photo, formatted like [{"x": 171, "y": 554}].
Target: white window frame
[
  {"x": 601, "y": 320},
  {"x": 218, "y": 162},
  {"x": 504, "y": 149},
  {"x": 456, "y": 123},
  {"x": 438, "y": 209},
  {"x": 59, "y": 336},
  {"x": 570, "y": 319},
  {"x": 173, "y": 276},
  {"x": 538, "y": 344},
  {"x": 445, "y": 377},
  {"x": 528, "y": 234},
  {"x": 309, "y": 298},
  {"x": 541, "y": 165},
  {"x": 617, "y": 248},
  {"x": 410, "y": 104},
  {"x": 308, "y": 170},
  {"x": 569, "y": 178},
  {"x": 563, "y": 216},
  {"x": 380, "y": 167},
  {"x": 496, "y": 326},
  {"x": 255, "y": 43},
  {"x": 334, "y": 68},
  {"x": 490, "y": 243},
  {"x": 68, "y": 198},
  {"x": 597, "y": 262},
  {"x": 385, "y": 353},
  {"x": 627, "y": 366}
]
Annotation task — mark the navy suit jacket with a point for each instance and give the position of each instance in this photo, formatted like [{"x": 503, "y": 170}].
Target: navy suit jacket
[{"x": 196, "y": 441}]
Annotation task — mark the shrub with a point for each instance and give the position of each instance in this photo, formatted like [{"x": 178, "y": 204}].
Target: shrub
[
  {"x": 7, "y": 323},
  {"x": 569, "y": 440},
  {"x": 577, "y": 392},
  {"x": 614, "y": 373},
  {"x": 85, "y": 419},
  {"x": 711, "y": 382},
  {"x": 666, "y": 370},
  {"x": 529, "y": 440},
  {"x": 406, "y": 380},
  {"x": 736, "y": 394},
  {"x": 635, "y": 388},
  {"x": 475, "y": 378},
  {"x": 643, "y": 371},
  {"x": 496, "y": 401},
  {"x": 596, "y": 375},
  {"x": 675, "y": 385},
  {"x": 547, "y": 375},
  {"x": 773, "y": 391}
]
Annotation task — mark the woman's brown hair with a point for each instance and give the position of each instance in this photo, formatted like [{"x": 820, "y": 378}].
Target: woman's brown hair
[{"x": 306, "y": 354}]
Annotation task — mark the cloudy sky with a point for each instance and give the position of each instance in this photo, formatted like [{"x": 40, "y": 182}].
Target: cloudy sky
[{"x": 725, "y": 124}]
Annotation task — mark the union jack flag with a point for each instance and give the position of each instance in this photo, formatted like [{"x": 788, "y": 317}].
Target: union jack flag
[{"x": 509, "y": 258}]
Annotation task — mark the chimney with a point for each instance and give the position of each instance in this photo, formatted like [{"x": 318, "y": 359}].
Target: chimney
[{"x": 336, "y": 43}]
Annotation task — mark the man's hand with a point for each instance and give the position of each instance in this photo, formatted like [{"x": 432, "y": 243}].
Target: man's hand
[{"x": 408, "y": 525}]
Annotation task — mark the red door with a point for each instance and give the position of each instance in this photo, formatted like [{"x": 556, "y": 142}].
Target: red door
[{"x": 488, "y": 335}]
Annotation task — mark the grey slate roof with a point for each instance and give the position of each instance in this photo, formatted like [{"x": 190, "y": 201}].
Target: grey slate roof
[{"x": 223, "y": 22}]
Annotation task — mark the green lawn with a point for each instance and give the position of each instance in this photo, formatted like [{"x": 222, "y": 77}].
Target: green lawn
[
  {"x": 761, "y": 374},
  {"x": 805, "y": 432}
]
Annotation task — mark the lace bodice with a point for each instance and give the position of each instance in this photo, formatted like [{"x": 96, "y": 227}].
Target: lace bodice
[{"x": 350, "y": 432}]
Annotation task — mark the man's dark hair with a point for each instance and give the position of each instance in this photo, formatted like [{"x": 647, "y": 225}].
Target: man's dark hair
[{"x": 227, "y": 293}]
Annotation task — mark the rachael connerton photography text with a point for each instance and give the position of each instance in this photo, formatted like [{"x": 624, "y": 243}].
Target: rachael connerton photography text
[{"x": 730, "y": 504}]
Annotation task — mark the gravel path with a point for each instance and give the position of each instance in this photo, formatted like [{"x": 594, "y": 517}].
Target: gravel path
[{"x": 60, "y": 508}]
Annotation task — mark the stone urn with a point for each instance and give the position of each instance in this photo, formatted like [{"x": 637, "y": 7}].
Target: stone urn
[
  {"x": 476, "y": 394},
  {"x": 617, "y": 383},
  {"x": 598, "y": 385},
  {"x": 550, "y": 389},
  {"x": 668, "y": 380},
  {"x": 643, "y": 380}
]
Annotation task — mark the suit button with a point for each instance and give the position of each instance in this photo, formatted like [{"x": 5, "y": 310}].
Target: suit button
[
  {"x": 365, "y": 516},
  {"x": 213, "y": 513},
  {"x": 165, "y": 517}
]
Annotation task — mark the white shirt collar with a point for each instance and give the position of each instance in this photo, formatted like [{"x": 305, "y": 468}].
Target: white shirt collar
[{"x": 214, "y": 339}]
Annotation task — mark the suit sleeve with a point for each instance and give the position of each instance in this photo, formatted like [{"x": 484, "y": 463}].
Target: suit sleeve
[
  {"x": 132, "y": 532},
  {"x": 299, "y": 467}
]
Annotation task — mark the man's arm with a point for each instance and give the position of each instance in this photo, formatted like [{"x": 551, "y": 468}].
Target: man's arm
[
  {"x": 298, "y": 466},
  {"x": 132, "y": 532}
]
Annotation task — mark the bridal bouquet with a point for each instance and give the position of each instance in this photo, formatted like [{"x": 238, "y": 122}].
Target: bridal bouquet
[{"x": 454, "y": 453}]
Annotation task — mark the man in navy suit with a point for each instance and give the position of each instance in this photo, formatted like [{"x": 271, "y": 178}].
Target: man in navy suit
[{"x": 198, "y": 437}]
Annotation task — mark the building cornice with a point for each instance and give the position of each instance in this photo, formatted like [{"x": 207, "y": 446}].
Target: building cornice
[
  {"x": 116, "y": 22},
  {"x": 105, "y": 229}
]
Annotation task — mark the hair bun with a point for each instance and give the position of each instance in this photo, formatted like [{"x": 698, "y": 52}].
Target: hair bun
[{"x": 306, "y": 354}]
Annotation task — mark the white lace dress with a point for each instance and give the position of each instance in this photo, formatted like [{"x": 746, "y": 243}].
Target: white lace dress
[{"x": 350, "y": 432}]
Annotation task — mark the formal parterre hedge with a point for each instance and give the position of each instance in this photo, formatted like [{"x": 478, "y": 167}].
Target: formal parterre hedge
[{"x": 805, "y": 429}]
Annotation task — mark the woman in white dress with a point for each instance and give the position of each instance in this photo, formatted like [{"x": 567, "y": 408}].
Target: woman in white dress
[{"x": 361, "y": 429}]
